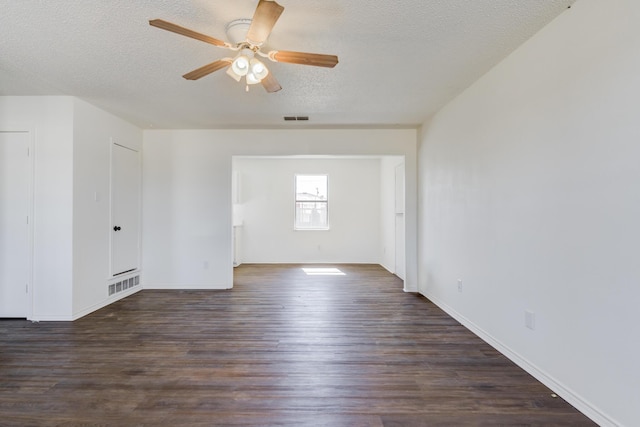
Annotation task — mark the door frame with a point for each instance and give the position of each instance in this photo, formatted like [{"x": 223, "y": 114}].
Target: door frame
[
  {"x": 31, "y": 133},
  {"x": 400, "y": 237}
]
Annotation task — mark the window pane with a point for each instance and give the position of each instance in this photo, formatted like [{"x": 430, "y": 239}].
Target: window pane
[
  {"x": 311, "y": 202},
  {"x": 311, "y": 215},
  {"x": 311, "y": 187}
]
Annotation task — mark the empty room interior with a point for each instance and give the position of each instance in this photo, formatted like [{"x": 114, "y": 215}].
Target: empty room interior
[{"x": 421, "y": 213}]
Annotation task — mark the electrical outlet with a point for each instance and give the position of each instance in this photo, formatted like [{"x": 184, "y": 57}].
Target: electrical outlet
[
  {"x": 530, "y": 319},
  {"x": 459, "y": 285}
]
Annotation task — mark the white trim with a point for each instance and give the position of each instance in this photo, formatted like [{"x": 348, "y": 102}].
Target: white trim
[
  {"x": 187, "y": 286},
  {"x": 31, "y": 227},
  {"x": 52, "y": 318},
  {"x": 566, "y": 393},
  {"x": 111, "y": 143},
  {"x": 102, "y": 304}
]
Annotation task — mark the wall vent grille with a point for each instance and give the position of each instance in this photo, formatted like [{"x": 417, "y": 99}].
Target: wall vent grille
[{"x": 123, "y": 285}]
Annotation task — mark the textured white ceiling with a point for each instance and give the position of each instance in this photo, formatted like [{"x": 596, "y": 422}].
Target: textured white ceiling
[{"x": 400, "y": 61}]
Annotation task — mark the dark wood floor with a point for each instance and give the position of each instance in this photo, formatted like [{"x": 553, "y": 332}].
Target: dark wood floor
[{"x": 281, "y": 348}]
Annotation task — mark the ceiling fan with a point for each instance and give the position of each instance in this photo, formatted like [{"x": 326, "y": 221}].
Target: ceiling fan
[{"x": 245, "y": 63}]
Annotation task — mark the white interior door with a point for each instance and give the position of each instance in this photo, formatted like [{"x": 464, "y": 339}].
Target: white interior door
[
  {"x": 125, "y": 210},
  {"x": 14, "y": 227}
]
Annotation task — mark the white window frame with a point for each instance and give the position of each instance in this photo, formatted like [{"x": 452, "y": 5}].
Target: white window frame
[{"x": 296, "y": 225}]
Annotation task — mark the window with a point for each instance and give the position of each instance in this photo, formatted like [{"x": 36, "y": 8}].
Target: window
[{"x": 312, "y": 210}]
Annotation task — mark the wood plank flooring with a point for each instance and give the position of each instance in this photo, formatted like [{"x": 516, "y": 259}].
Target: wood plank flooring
[{"x": 280, "y": 348}]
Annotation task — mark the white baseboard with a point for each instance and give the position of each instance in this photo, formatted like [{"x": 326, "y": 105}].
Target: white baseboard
[
  {"x": 564, "y": 392},
  {"x": 50, "y": 318},
  {"x": 183, "y": 287},
  {"x": 110, "y": 300}
]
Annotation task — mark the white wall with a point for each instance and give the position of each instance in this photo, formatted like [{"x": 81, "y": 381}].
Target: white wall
[
  {"x": 94, "y": 131},
  {"x": 267, "y": 202},
  {"x": 50, "y": 119},
  {"x": 529, "y": 194},
  {"x": 187, "y": 194}
]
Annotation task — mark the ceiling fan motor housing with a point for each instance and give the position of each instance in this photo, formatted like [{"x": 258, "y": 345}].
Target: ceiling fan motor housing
[{"x": 237, "y": 29}]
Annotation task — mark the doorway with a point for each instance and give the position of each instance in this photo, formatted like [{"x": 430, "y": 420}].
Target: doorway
[{"x": 366, "y": 197}]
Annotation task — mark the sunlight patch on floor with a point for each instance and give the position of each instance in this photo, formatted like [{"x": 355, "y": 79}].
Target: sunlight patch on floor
[{"x": 322, "y": 271}]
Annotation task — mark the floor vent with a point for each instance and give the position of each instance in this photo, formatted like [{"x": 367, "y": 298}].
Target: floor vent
[{"x": 123, "y": 285}]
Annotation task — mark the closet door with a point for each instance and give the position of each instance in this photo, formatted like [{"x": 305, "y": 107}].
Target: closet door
[
  {"x": 14, "y": 223},
  {"x": 125, "y": 210}
]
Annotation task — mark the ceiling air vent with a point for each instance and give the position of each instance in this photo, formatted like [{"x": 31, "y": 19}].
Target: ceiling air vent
[{"x": 296, "y": 118}]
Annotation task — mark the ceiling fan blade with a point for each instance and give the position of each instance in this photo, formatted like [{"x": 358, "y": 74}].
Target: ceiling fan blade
[
  {"x": 270, "y": 83},
  {"x": 159, "y": 23},
  {"x": 315, "y": 59},
  {"x": 264, "y": 18},
  {"x": 207, "y": 69}
]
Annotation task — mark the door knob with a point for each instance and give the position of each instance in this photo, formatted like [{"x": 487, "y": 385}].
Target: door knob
[{"x": 117, "y": 228}]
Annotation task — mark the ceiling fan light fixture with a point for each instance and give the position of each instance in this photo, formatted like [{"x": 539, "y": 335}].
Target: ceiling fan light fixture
[
  {"x": 252, "y": 79},
  {"x": 240, "y": 64},
  {"x": 232, "y": 74},
  {"x": 258, "y": 69}
]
